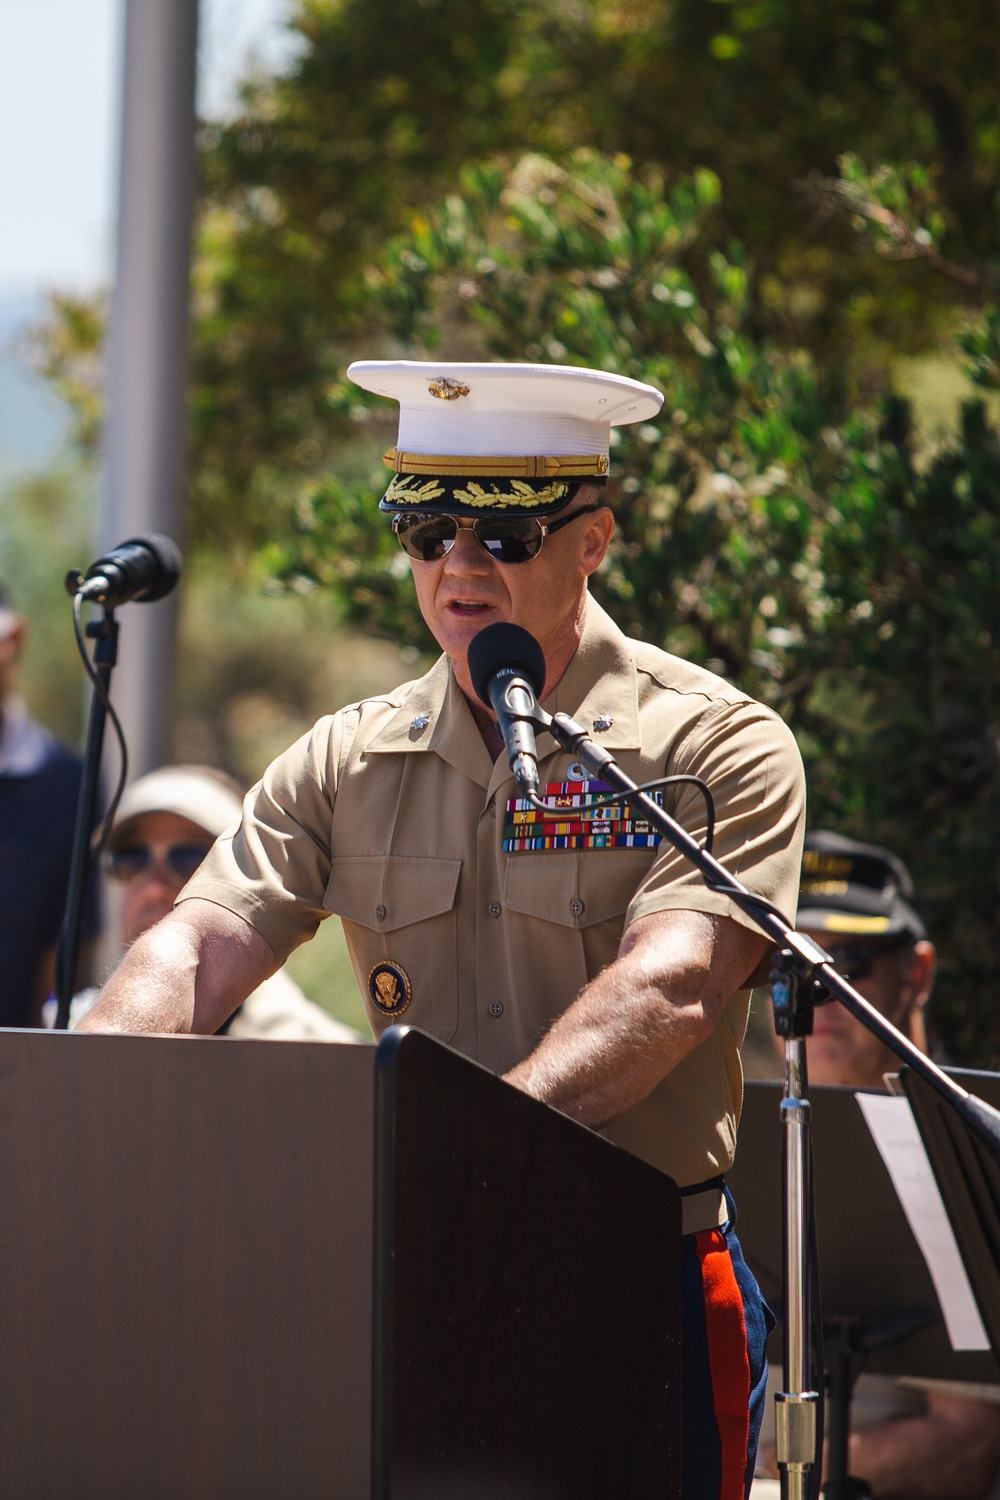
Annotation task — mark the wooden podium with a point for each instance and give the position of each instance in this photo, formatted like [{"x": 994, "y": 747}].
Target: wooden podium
[{"x": 238, "y": 1269}]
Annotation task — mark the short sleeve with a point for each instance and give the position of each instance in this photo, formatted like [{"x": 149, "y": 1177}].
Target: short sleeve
[
  {"x": 272, "y": 869},
  {"x": 749, "y": 759}
]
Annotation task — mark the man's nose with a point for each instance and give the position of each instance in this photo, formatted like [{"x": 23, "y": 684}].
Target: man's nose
[
  {"x": 159, "y": 879},
  {"x": 467, "y": 556}
]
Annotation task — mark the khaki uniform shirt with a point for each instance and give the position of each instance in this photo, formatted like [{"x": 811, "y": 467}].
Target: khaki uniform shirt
[{"x": 390, "y": 813}]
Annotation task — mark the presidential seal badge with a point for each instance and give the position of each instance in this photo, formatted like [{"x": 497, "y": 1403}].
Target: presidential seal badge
[{"x": 389, "y": 987}]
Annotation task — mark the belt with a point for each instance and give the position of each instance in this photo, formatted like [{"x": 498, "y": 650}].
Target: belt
[{"x": 706, "y": 1210}]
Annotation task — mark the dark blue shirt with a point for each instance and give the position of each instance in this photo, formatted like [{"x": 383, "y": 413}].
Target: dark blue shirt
[{"x": 37, "y": 814}]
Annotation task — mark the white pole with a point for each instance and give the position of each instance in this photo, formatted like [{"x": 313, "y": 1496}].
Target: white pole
[{"x": 144, "y": 438}]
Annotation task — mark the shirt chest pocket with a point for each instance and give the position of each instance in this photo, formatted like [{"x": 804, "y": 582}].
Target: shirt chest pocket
[
  {"x": 565, "y": 915},
  {"x": 399, "y": 910}
]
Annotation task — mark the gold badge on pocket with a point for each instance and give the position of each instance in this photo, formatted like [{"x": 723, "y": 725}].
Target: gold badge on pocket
[{"x": 389, "y": 987}]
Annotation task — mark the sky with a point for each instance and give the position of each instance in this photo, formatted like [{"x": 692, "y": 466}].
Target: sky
[{"x": 60, "y": 65}]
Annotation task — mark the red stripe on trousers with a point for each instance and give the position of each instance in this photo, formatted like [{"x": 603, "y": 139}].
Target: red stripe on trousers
[{"x": 727, "y": 1359}]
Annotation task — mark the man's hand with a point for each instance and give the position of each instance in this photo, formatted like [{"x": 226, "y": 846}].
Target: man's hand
[
  {"x": 950, "y": 1453},
  {"x": 188, "y": 973},
  {"x": 661, "y": 997}
]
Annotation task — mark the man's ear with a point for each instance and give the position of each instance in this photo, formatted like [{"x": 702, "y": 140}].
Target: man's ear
[
  {"x": 599, "y": 530},
  {"x": 10, "y": 646},
  {"x": 920, "y": 976}
]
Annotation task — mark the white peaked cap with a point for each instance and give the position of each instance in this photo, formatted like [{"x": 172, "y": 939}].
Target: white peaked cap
[
  {"x": 512, "y": 410},
  {"x": 189, "y": 791}
]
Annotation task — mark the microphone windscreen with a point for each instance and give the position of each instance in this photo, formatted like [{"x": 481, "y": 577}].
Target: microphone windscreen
[
  {"x": 167, "y": 567},
  {"x": 505, "y": 646}
]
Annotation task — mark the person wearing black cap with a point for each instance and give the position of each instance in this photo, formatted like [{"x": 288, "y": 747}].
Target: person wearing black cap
[
  {"x": 856, "y": 901},
  {"x": 910, "y": 1440}
]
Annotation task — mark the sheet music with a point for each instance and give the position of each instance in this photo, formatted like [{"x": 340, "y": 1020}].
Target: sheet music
[{"x": 895, "y": 1133}]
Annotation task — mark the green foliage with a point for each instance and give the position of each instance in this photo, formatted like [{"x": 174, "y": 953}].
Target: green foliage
[
  {"x": 391, "y": 99},
  {"x": 981, "y": 345},
  {"x": 68, "y": 350},
  {"x": 343, "y": 543},
  {"x": 899, "y": 712},
  {"x": 45, "y": 529}
]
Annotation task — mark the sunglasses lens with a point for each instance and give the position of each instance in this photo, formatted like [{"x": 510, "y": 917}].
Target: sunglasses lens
[
  {"x": 131, "y": 864},
  {"x": 426, "y": 538},
  {"x": 128, "y": 865},
  {"x": 184, "y": 859},
  {"x": 510, "y": 540},
  {"x": 855, "y": 963},
  {"x": 507, "y": 539}
]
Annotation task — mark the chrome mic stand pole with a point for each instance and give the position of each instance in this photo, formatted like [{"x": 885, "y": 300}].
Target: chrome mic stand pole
[{"x": 797, "y": 1405}]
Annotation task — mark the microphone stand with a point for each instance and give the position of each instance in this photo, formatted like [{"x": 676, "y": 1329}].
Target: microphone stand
[
  {"x": 802, "y": 973},
  {"x": 105, "y": 633}
]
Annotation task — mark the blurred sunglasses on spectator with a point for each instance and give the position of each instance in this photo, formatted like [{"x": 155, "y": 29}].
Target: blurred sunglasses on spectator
[
  {"x": 857, "y": 960},
  {"x": 132, "y": 862}
]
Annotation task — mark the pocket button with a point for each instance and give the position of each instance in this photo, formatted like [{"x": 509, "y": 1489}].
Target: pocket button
[
  {"x": 576, "y": 907},
  {"x": 380, "y": 912}
]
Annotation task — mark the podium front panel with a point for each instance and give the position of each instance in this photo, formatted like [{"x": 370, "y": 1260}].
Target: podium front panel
[
  {"x": 185, "y": 1268},
  {"x": 527, "y": 1296}
]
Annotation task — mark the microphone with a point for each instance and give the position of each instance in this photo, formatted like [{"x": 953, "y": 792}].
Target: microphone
[
  {"x": 507, "y": 667},
  {"x": 142, "y": 569}
]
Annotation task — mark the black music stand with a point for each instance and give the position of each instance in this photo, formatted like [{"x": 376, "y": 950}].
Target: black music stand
[
  {"x": 967, "y": 1173},
  {"x": 881, "y": 1311}
]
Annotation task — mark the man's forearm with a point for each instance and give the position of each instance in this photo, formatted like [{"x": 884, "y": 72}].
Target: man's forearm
[
  {"x": 153, "y": 988},
  {"x": 635, "y": 1021},
  {"x": 610, "y": 1049},
  {"x": 187, "y": 974}
]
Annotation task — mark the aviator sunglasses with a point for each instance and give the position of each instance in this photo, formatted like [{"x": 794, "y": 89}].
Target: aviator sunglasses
[
  {"x": 131, "y": 862},
  {"x": 507, "y": 539}
]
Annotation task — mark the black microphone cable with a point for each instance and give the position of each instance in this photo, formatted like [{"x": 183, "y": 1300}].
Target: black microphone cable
[{"x": 109, "y": 708}]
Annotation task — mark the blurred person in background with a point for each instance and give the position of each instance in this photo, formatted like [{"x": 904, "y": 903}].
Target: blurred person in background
[
  {"x": 918, "y": 1439},
  {"x": 39, "y": 784},
  {"x": 165, "y": 825}
]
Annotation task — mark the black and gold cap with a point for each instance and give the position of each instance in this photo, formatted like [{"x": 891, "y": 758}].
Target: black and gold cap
[{"x": 860, "y": 890}]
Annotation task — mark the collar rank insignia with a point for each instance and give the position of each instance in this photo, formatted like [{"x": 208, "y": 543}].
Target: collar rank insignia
[
  {"x": 579, "y": 825},
  {"x": 389, "y": 988}
]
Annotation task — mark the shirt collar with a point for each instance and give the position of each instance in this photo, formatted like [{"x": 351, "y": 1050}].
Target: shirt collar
[
  {"x": 24, "y": 745},
  {"x": 598, "y": 688},
  {"x": 435, "y": 716}
]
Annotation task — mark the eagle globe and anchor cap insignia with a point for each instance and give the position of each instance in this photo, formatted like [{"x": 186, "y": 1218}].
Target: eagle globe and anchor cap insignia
[{"x": 389, "y": 987}]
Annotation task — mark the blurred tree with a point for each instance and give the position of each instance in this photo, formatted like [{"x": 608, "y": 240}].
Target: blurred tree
[
  {"x": 390, "y": 98},
  {"x": 45, "y": 529}
]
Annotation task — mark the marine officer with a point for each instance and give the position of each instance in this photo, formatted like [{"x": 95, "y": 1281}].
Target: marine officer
[{"x": 593, "y": 969}]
